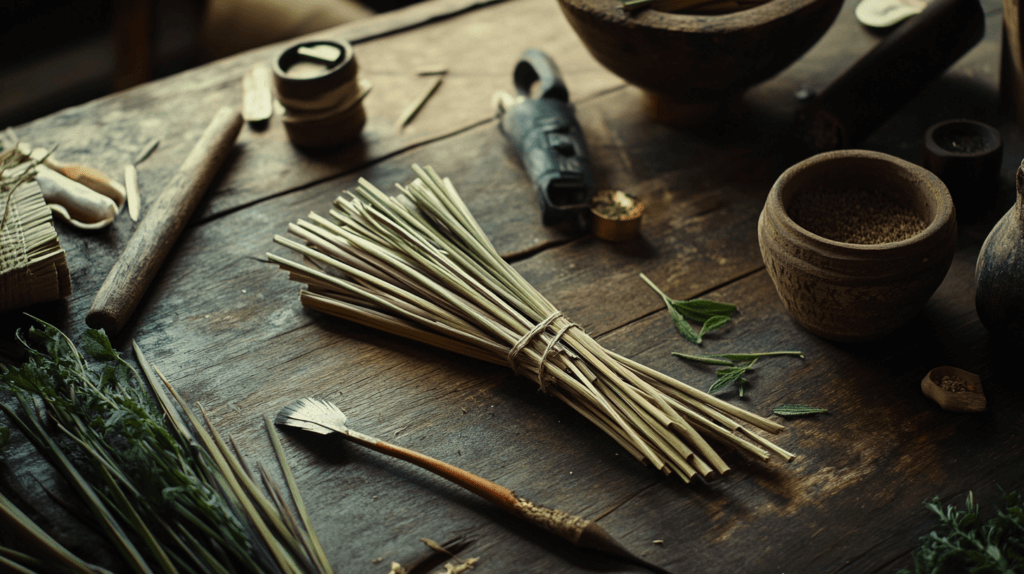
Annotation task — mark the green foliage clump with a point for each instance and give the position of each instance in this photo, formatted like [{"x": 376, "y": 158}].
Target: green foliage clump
[{"x": 964, "y": 543}]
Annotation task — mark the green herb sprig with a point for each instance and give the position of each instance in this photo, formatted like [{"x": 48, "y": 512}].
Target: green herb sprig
[
  {"x": 736, "y": 365},
  {"x": 797, "y": 410},
  {"x": 964, "y": 543},
  {"x": 710, "y": 314},
  {"x": 167, "y": 501}
]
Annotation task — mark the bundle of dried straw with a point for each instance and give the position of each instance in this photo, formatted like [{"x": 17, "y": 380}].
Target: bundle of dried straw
[
  {"x": 418, "y": 265},
  {"x": 33, "y": 266}
]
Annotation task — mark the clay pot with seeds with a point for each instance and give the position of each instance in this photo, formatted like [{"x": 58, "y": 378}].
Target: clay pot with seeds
[{"x": 877, "y": 272}]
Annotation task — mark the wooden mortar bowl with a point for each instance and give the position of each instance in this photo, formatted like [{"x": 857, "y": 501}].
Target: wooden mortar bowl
[
  {"x": 853, "y": 292},
  {"x": 699, "y": 58}
]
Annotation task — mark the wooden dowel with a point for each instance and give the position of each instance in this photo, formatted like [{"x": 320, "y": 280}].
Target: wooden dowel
[
  {"x": 887, "y": 77},
  {"x": 155, "y": 236}
]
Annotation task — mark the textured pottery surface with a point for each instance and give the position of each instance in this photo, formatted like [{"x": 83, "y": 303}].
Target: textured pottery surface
[
  {"x": 699, "y": 58},
  {"x": 851, "y": 292},
  {"x": 1000, "y": 273}
]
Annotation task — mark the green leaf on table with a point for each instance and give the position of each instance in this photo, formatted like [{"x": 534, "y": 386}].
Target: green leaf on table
[
  {"x": 798, "y": 410},
  {"x": 706, "y": 359},
  {"x": 683, "y": 327},
  {"x": 751, "y": 356},
  {"x": 712, "y": 323},
  {"x": 701, "y": 309},
  {"x": 729, "y": 375},
  {"x": 711, "y": 314}
]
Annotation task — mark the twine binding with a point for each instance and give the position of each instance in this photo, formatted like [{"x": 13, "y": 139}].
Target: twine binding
[{"x": 525, "y": 340}]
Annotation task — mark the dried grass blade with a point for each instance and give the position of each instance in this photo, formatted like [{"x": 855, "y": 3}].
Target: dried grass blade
[
  {"x": 26, "y": 530},
  {"x": 293, "y": 487},
  {"x": 427, "y": 271}
]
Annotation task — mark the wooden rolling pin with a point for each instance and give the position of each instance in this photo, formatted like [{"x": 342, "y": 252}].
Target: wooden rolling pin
[{"x": 146, "y": 250}]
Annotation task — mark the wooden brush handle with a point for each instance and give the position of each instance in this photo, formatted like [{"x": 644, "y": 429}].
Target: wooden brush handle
[
  {"x": 575, "y": 529},
  {"x": 155, "y": 236},
  {"x": 561, "y": 523},
  {"x": 481, "y": 487}
]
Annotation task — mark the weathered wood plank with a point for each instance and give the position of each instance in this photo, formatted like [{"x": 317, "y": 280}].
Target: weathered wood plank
[
  {"x": 229, "y": 332},
  {"x": 479, "y": 47},
  {"x": 852, "y": 500}
]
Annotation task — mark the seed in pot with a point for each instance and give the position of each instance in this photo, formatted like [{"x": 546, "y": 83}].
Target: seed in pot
[{"x": 859, "y": 215}]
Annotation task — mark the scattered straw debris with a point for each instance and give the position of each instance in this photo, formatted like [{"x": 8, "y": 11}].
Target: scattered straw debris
[
  {"x": 435, "y": 546},
  {"x": 463, "y": 565},
  {"x": 456, "y": 567}
]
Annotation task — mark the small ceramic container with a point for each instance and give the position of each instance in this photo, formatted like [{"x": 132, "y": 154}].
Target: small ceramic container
[
  {"x": 316, "y": 83},
  {"x": 852, "y": 292},
  {"x": 967, "y": 156}
]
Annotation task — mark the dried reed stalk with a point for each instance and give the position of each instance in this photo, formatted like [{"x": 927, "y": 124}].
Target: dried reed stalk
[{"x": 419, "y": 266}]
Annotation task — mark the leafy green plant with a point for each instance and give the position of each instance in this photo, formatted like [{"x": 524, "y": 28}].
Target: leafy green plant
[
  {"x": 736, "y": 365},
  {"x": 169, "y": 498},
  {"x": 964, "y": 543},
  {"x": 710, "y": 314}
]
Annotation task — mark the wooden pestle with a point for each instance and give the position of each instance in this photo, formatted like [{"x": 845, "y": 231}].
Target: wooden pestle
[
  {"x": 152, "y": 241},
  {"x": 915, "y": 53}
]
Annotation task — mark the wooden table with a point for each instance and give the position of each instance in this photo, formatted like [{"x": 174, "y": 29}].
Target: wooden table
[{"x": 228, "y": 330}]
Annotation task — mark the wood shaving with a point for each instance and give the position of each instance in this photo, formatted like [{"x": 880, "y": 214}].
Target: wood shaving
[
  {"x": 435, "y": 546},
  {"x": 467, "y": 564}
]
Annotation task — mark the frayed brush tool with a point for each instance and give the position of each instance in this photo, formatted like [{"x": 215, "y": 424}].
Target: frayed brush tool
[{"x": 325, "y": 418}]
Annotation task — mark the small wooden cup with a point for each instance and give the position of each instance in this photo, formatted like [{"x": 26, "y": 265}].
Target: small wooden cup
[
  {"x": 971, "y": 400},
  {"x": 967, "y": 156}
]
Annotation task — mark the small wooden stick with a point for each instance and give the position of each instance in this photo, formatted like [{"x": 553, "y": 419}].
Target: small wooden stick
[
  {"x": 148, "y": 149},
  {"x": 131, "y": 186},
  {"x": 257, "y": 94},
  {"x": 146, "y": 250},
  {"x": 414, "y": 108}
]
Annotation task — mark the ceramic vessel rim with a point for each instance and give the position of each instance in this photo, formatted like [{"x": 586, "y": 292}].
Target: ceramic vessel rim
[
  {"x": 935, "y": 148},
  {"x": 347, "y": 54},
  {"x": 945, "y": 201},
  {"x": 611, "y": 10}
]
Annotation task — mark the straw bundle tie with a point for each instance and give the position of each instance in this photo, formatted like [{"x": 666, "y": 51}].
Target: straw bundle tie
[{"x": 525, "y": 340}]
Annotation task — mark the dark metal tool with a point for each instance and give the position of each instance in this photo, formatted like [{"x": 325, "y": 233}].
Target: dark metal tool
[{"x": 541, "y": 124}]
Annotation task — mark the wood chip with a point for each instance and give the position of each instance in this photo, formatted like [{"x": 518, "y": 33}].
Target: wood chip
[
  {"x": 326, "y": 53},
  {"x": 434, "y": 546},
  {"x": 414, "y": 108},
  {"x": 432, "y": 71},
  {"x": 146, "y": 150},
  {"x": 131, "y": 187},
  {"x": 257, "y": 95}
]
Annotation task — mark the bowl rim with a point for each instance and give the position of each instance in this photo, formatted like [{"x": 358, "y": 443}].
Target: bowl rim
[
  {"x": 769, "y": 11},
  {"x": 944, "y": 213},
  {"x": 993, "y": 139}
]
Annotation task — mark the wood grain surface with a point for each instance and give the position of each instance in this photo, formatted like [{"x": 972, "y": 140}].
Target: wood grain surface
[{"x": 227, "y": 329}]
